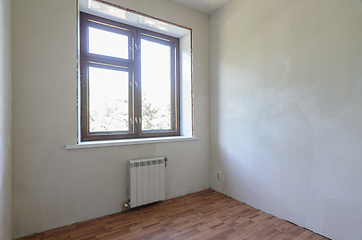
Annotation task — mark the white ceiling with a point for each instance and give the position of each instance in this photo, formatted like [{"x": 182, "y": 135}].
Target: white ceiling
[{"x": 204, "y": 6}]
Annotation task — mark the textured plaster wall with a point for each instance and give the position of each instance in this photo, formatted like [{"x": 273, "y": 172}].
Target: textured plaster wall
[
  {"x": 54, "y": 187},
  {"x": 286, "y": 110},
  {"x": 5, "y": 123}
]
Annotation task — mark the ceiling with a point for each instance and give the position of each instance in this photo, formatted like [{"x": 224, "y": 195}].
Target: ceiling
[{"x": 204, "y": 6}]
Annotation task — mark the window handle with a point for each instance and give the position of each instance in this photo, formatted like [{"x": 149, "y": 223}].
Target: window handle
[
  {"x": 131, "y": 121},
  {"x": 137, "y": 47},
  {"x": 136, "y": 84},
  {"x": 140, "y": 120},
  {"x": 136, "y": 120}
]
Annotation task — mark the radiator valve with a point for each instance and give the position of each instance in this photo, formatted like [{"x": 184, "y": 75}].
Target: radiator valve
[{"x": 125, "y": 206}]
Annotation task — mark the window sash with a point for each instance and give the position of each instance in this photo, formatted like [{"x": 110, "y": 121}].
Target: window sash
[{"x": 106, "y": 135}]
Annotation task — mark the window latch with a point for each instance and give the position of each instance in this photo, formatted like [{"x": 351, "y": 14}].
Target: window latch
[
  {"x": 136, "y": 84},
  {"x": 140, "y": 120},
  {"x": 136, "y": 120},
  {"x": 131, "y": 121}
]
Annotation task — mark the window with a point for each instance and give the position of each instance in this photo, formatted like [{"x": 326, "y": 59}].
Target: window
[{"x": 130, "y": 85}]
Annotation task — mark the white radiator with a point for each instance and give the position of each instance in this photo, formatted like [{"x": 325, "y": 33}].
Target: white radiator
[{"x": 146, "y": 181}]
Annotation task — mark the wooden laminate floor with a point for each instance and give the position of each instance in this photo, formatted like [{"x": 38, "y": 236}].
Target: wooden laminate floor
[{"x": 203, "y": 215}]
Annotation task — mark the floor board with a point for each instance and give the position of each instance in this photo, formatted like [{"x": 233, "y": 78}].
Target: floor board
[{"x": 202, "y": 215}]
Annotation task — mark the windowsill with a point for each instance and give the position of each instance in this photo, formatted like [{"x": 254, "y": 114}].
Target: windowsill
[{"x": 137, "y": 141}]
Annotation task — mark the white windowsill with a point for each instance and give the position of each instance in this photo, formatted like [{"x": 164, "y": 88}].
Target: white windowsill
[{"x": 129, "y": 142}]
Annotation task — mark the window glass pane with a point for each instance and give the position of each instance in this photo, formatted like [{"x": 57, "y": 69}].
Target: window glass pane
[
  {"x": 108, "y": 43},
  {"x": 108, "y": 100},
  {"x": 156, "y": 85}
]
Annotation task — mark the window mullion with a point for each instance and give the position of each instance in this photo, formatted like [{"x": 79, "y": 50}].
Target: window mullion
[{"x": 138, "y": 85}]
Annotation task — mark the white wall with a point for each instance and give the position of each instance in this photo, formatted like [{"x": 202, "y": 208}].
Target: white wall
[
  {"x": 286, "y": 110},
  {"x": 5, "y": 123},
  {"x": 53, "y": 186}
]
